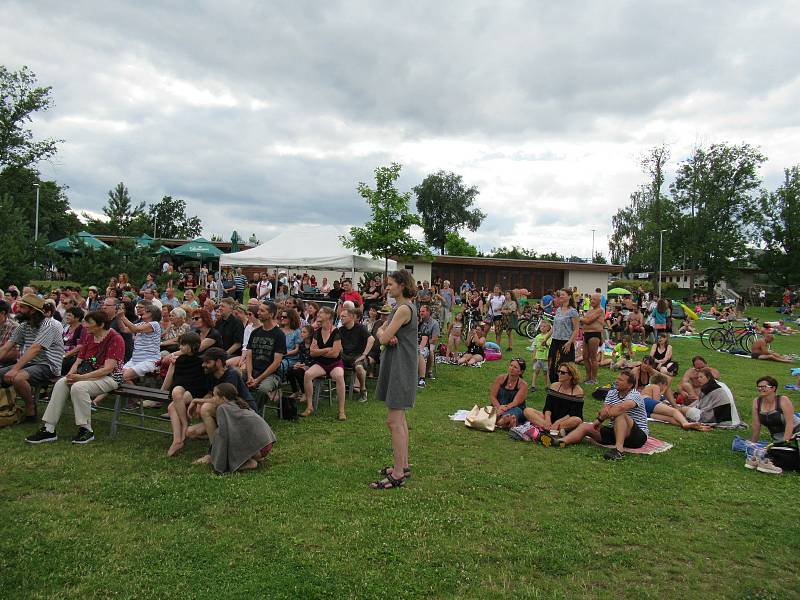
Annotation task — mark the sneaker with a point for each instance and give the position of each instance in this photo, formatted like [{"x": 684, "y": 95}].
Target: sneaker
[
  {"x": 41, "y": 436},
  {"x": 548, "y": 440},
  {"x": 362, "y": 397},
  {"x": 765, "y": 466},
  {"x": 421, "y": 383},
  {"x": 84, "y": 436},
  {"x": 751, "y": 462},
  {"x": 613, "y": 454}
]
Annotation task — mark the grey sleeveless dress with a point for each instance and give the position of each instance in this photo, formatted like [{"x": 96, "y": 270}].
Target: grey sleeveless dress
[{"x": 397, "y": 380}]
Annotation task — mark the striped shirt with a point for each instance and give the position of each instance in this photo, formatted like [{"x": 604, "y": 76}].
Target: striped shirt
[
  {"x": 147, "y": 346},
  {"x": 47, "y": 335},
  {"x": 637, "y": 413},
  {"x": 240, "y": 281}
]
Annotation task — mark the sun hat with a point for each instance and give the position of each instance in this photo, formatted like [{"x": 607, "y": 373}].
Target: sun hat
[
  {"x": 33, "y": 301},
  {"x": 385, "y": 309}
]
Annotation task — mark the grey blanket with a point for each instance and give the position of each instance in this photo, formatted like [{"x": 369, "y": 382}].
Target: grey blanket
[{"x": 240, "y": 434}]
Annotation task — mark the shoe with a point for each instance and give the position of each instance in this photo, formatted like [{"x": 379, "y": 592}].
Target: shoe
[
  {"x": 751, "y": 462},
  {"x": 84, "y": 436},
  {"x": 613, "y": 454},
  {"x": 41, "y": 436},
  {"x": 549, "y": 440},
  {"x": 765, "y": 466},
  {"x": 362, "y": 397},
  {"x": 421, "y": 383}
]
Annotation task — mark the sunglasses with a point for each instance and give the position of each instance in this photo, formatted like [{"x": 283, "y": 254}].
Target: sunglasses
[
  {"x": 763, "y": 387},
  {"x": 563, "y": 372}
]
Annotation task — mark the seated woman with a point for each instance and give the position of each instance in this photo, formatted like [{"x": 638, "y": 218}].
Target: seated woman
[
  {"x": 170, "y": 336},
  {"x": 686, "y": 327},
  {"x": 563, "y": 407},
  {"x": 714, "y": 405},
  {"x": 73, "y": 331},
  {"x": 185, "y": 381},
  {"x": 97, "y": 370},
  {"x": 190, "y": 299},
  {"x": 290, "y": 326},
  {"x": 659, "y": 405},
  {"x": 508, "y": 393},
  {"x": 146, "y": 341},
  {"x": 775, "y": 412},
  {"x": 622, "y": 354},
  {"x": 326, "y": 350},
  {"x": 475, "y": 343},
  {"x": 203, "y": 323},
  {"x": 662, "y": 353},
  {"x": 240, "y": 438}
]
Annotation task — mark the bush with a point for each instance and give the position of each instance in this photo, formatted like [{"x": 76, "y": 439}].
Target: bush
[{"x": 633, "y": 284}]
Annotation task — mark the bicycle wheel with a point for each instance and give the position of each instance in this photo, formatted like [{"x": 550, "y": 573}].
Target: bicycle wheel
[
  {"x": 718, "y": 339},
  {"x": 532, "y": 329},
  {"x": 522, "y": 325},
  {"x": 746, "y": 341}
]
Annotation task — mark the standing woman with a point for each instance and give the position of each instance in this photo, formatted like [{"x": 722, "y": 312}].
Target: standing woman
[
  {"x": 660, "y": 315},
  {"x": 510, "y": 319},
  {"x": 495, "y": 314},
  {"x": 592, "y": 323},
  {"x": 397, "y": 381},
  {"x": 563, "y": 334}
]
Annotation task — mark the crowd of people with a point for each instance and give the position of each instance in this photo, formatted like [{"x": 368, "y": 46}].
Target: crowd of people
[{"x": 199, "y": 343}]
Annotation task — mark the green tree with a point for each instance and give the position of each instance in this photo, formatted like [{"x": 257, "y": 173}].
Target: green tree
[
  {"x": 779, "y": 229},
  {"x": 513, "y": 252},
  {"x": 56, "y": 219},
  {"x": 716, "y": 189},
  {"x": 386, "y": 234},
  {"x": 458, "y": 246},
  {"x": 599, "y": 259},
  {"x": 553, "y": 256},
  {"x": 171, "y": 221},
  {"x": 96, "y": 266},
  {"x": 20, "y": 98},
  {"x": 16, "y": 250},
  {"x": 123, "y": 217},
  {"x": 445, "y": 204}
]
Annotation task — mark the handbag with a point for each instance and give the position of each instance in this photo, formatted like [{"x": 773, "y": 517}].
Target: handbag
[{"x": 482, "y": 419}]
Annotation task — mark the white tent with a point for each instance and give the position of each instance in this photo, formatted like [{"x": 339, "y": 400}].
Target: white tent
[{"x": 315, "y": 247}]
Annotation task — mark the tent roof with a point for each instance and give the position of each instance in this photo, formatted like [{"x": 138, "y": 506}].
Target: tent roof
[
  {"x": 312, "y": 247},
  {"x": 197, "y": 248},
  {"x": 65, "y": 244}
]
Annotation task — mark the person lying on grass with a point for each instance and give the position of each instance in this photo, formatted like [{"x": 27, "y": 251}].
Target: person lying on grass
[
  {"x": 563, "y": 407},
  {"x": 628, "y": 429},
  {"x": 508, "y": 393},
  {"x": 690, "y": 384},
  {"x": 660, "y": 405},
  {"x": 239, "y": 438},
  {"x": 761, "y": 350}
]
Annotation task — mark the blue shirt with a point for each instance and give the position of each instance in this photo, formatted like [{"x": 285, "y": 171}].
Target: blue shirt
[{"x": 547, "y": 302}]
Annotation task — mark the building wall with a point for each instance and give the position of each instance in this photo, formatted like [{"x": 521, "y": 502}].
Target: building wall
[
  {"x": 534, "y": 280},
  {"x": 586, "y": 281},
  {"x": 420, "y": 270}
]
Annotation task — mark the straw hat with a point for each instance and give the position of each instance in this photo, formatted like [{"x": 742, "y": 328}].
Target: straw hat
[{"x": 33, "y": 301}]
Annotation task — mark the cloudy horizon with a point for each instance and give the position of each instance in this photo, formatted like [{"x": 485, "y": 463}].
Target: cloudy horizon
[{"x": 264, "y": 115}]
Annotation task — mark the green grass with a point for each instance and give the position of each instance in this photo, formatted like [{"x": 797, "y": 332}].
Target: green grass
[{"x": 483, "y": 516}]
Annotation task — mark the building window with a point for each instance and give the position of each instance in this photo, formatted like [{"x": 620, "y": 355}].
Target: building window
[{"x": 409, "y": 268}]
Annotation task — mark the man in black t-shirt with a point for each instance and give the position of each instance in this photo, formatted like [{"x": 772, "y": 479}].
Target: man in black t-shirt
[
  {"x": 265, "y": 350},
  {"x": 356, "y": 346},
  {"x": 230, "y": 328}
]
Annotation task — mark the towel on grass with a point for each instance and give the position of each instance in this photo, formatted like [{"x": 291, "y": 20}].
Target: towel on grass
[
  {"x": 459, "y": 415},
  {"x": 241, "y": 433},
  {"x": 651, "y": 446}
]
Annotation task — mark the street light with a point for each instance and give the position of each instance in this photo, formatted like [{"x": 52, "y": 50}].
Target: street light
[
  {"x": 660, "y": 253},
  {"x": 36, "y": 226},
  {"x": 591, "y": 258}
]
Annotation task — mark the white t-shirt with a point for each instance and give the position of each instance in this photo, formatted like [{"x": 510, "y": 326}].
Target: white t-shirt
[{"x": 495, "y": 304}]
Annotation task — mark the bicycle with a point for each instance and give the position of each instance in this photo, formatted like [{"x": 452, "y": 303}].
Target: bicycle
[{"x": 728, "y": 336}]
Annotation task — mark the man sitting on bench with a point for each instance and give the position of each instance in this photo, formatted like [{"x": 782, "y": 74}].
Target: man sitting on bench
[
  {"x": 356, "y": 346},
  {"x": 265, "y": 350}
]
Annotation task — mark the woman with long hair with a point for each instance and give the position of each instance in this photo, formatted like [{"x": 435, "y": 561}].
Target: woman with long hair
[
  {"x": 397, "y": 380},
  {"x": 564, "y": 332},
  {"x": 507, "y": 395},
  {"x": 326, "y": 350},
  {"x": 563, "y": 407}
]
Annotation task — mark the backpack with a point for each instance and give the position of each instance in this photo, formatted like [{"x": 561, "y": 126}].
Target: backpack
[
  {"x": 10, "y": 413},
  {"x": 288, "y": 408},
  {"x": 785, "y": 455}
]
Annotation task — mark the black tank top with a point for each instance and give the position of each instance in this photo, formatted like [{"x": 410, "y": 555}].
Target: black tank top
[
  {"x": 659, "y": 355},
  {"x": 506, "y": 396}
]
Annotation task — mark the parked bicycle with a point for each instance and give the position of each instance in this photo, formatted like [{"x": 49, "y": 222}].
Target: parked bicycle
[{"x": 729, "y": 336}]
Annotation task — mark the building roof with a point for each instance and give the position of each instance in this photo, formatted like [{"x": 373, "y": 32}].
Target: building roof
[{"x": 519, "y": 263}]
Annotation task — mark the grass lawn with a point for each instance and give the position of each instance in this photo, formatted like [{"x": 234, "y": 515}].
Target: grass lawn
[{"x": 483, "y": 516}]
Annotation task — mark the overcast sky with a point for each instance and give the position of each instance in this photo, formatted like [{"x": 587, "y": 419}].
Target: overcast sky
[{"x": 266, "y": 114}]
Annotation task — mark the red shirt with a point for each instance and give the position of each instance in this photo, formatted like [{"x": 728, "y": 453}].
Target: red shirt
[
  {"x": 111, "y": 346},
  {"x": 353, "y": 296}
]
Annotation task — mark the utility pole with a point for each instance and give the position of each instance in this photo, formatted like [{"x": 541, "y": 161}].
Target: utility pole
[{"x": 591, "y": 258}]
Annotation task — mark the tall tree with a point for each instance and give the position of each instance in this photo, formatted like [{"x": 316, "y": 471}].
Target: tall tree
[
  {"x": 716, "y": 188},
  {"x": 445, "y": 204},
  {"x": 386, "y": 234},
  {"x": 513, "y": 252},
  {"x": 779, "y": 229},
  {"x": 458, "y": 246},
  {"x": 20, "y": 98},
  {"x": 16, "y": 250},
  {"x": 123, "y": 217},
  {"x": 168, "y": 219}
]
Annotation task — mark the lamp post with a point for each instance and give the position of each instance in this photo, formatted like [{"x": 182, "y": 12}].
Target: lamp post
[
  {"x": 660, "y": 254},
  {"x": 591, "y": 258},
  {"x": 155, "y": 225},
  {"x": 36, "y": 225}
]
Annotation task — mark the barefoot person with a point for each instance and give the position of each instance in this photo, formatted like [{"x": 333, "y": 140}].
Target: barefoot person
[
  {"x": 760, "y": 350},
  {"x": 508, "y": 393},
  {"x": 397, "y": 381},
  {"x": 592, "y": 324},
  {"x": 659, "y": 405},
  {"x": 185, "y": 380}
]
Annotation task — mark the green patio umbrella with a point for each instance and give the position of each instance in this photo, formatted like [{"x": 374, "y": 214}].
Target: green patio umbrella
[
  {"x": 200, "y": 248},
  {"x": 144, "y": 241},
  {"x": 619, "y": 292},
  {"x": 67, "y": 246}
]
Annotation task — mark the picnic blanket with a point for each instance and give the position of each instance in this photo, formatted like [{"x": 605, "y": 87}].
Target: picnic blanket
[
  {"x": 241, "y": 434},
  {"x": 651, "y": 446}
]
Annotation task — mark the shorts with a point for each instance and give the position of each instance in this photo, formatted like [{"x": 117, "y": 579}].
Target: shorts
[
  {"x": 636, "y": 438},
  {"x": 590, "y": 335},
  {"x": 425, "y": 352},
  {"x": 754, "y": 355},
  {"x": 328, "y": 368},
  {"x": 141, "y": 368},
  {"x": 650, "y": 405},
  {"x": 349, "y": 360},
  {"x": 37, "y": 373},
  {"x": 518, "y": 412},
  {"x": 540, "y": 364}
]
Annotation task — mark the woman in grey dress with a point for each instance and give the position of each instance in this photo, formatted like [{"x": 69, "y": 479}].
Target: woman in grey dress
[{"x": 397, "y": 381}]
